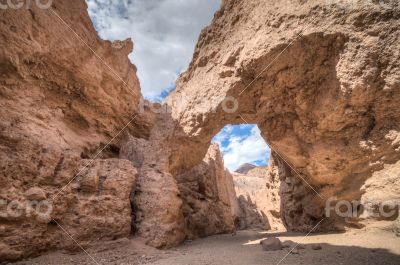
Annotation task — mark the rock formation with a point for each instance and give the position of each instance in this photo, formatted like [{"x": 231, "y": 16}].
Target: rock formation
[
  {"x": 169, "y": 209},
  {"x": 259, "y": 199},
  {"x": 243, "y": 169},
  {"x": 72, "y": 119},
  {"x": 95, "y": 207},
  {"x": 60, "y": 106},
  {"x": 381, "y": 195},
  {"x": 320, "y": 81},
  {"x": 271, "y": 244},
  {"x": 209, "y": 200},
  {"x": 156, "y": 199}
]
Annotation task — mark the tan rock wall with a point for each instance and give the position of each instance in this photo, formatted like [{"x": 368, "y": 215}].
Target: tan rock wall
[
  {"x": 169, "y": 209},
  {"x": 259, "y": 199},
  {"x": 94, "y": 207},
  {"x": 209, "y": 200},
  {"x": 59, "y": 105},
  {"x": 325, "y": 99},
  {"x": 156, "y": 198}
]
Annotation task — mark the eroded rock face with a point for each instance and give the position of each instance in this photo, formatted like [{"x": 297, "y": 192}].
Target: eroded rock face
[
  {"x": 259, "y": 199},
  {"x": 156, "y": 199},
  {"x": 381, "y": 195},
  {"x": 325, "y": 100},
  {"x": 60, "y": 105},
  {"x": 209, "y": 200},
  {"x": 169, "y": 209},
  {"x": 63, "y": 99},
  {"x": 94, "y": 207}
]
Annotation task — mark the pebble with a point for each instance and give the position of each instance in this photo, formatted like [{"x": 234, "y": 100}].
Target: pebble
[
  {"x": 300, "y": 247},
  {"x": 286, "y": 245},
  {"x": 316, "y": 247}
]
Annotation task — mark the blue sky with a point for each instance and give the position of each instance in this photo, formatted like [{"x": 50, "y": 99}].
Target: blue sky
[
  {"x": 164, "y": 33},
  {"x": 241, "y": 144}
]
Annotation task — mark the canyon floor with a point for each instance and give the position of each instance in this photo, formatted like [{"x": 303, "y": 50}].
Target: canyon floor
[{"x": 372, "y": 246}]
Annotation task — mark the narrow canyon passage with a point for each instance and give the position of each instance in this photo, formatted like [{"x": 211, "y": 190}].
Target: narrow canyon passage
[{"x": 199, "y": 132}]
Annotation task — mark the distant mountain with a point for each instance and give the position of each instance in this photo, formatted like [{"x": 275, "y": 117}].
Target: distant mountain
[{"x": 243, "y": 169}]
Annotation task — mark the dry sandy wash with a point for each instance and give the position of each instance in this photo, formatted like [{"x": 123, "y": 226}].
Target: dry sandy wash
[{"x": 353, "y": 248}]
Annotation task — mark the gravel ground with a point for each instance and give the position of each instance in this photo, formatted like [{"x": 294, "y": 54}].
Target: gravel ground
[{"x": 355, "y": 247}]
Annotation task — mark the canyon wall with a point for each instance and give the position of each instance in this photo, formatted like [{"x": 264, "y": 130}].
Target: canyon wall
[
  {"x": 156, "y": 199},
  {"x": 83, "y": 157},
  {"x": 60, "y": 106},
  {"x": 321, "y": 82},
  {"x": 257, "y": 190},
  {"x": 209, "y": 199},
  {"x": 169, "y": 209}
]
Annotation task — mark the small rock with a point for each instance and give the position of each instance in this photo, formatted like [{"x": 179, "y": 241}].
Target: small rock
[
  {"x": 286, "y": 245},
  {"x": 316, "y": 247},
  {"x": 295, "y": 252},
  {"x": 227, "y": 73},
  {"x": 271, "y": 244},
  {"x": 300, "y": 247}
]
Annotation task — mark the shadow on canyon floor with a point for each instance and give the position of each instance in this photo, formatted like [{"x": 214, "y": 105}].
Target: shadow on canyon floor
[{"x": 352, "y": 248}]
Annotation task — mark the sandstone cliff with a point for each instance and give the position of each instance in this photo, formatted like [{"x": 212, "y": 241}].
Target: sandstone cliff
[
  {"x": 72, "y": 119},
  {"x": 322, "y": 83},
  {"x": 209, "y": 200},
  {"x": 169, "y": 209},
  {"x": 258, "y": 196},
  {"x": 60, "y": 105},
  {"x": 156, "y": 199}
]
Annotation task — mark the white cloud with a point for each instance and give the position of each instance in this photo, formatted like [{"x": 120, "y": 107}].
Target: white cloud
[
  {"x": 223, "y": 135},
  {"x": 164, "y": 33},
  {"x": 242, "y": 148}
]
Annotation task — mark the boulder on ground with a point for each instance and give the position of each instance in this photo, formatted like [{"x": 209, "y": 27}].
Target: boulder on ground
[{"x": 271, "y": 244}]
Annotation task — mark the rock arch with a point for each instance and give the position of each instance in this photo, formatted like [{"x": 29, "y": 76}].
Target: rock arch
[
  {"x": 323, "y": 100},
  {"x": 324, "y": 97},
  {"x": 325, "y": 87}
]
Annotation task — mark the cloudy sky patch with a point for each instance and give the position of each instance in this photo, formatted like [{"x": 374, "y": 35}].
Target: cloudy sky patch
[
  {"x": 241, "y": 144},
  {"x": 164, "y": 33}
]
